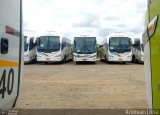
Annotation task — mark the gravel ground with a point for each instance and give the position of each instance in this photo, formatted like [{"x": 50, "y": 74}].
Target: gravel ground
[{"x": 83, "y": 86}]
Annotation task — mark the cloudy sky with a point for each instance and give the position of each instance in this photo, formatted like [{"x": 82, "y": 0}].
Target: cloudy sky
[{"x": 98, "y": 17}]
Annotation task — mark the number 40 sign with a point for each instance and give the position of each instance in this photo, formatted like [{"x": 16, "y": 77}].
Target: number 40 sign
[{"x": 6, "y": 85}]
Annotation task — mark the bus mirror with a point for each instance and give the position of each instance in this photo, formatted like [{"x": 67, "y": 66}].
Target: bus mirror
[{"x": 4, "y": 45}]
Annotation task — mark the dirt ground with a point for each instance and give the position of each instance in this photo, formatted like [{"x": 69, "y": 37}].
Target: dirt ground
[{"x": 83, "y": 86}]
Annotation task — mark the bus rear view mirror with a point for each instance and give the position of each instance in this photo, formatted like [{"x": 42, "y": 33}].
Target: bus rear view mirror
[{"x": 4, "y": 45}]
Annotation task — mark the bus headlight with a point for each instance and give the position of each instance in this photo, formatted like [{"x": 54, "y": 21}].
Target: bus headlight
[
  {"x": 27, "y": 55},
  {"x": 38, "y": 55},
  {"x": 94, "y": 55},
  {"x": 75, "y": 55},
  {"x": 111, "y": 55},
  {"x": 59, "y": 55}
]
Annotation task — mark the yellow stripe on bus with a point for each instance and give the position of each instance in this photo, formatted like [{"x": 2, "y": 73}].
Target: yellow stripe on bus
[{"x": 4, "y": 63}]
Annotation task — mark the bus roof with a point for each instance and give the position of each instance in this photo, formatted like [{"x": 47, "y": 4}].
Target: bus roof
[{"x": 120, "y": 34}]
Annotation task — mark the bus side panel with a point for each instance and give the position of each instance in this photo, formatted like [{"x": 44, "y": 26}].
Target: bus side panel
[
  {"x": 10, "y": 62},
  {"x": 155, "y": 54},
  {"x": 147, "y": 67}
]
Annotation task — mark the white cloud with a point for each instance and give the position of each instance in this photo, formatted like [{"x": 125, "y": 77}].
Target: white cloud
[{"x": 96, "y": 16}]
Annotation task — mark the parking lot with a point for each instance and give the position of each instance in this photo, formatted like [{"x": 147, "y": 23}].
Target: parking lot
[{"x": 83, "y": 86}]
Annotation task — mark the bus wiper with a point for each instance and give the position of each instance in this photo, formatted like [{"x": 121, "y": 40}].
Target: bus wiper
[{"x": 88, "y": 49}]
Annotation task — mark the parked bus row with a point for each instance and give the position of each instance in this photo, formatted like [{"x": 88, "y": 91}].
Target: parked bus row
[{"x": 117, "y": 47}]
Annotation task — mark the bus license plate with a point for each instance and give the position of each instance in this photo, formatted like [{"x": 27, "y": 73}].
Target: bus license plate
[
  {"x": 47, "y": 59},
  {"x": 84, "y": 59},
  {"x": 120, "y": 59}
]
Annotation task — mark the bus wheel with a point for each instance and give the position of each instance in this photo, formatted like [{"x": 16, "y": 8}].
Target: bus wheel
[
  {"x": 45, "y": 62},
  {"x": 64, "y": 59},
  {"x": 109, "y": 62},
  {"x": 35, "y": 60},
  {"x": 133, "y": 59},
  {"x": 106, "y": 59}
]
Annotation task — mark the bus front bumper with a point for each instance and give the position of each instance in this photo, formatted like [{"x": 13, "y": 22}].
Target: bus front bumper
[
  {"x": 49, "y": 59},
  {"x": 85, "y": 59},
  {"x": 27, "y": 59},
  {"x": 120, "y": 59}
]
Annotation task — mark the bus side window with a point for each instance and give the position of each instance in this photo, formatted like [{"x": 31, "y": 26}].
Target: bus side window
[
  {"x": 67, "y": 44},
  {"x": 137, "y": 44},
  {"x": 106, "y": 46},
  {"x": 37, "y": 41},
  {"x": 32, "y": 44},
  {"x": 63, "y": 44},
  {"x": 4, "y": 45}
]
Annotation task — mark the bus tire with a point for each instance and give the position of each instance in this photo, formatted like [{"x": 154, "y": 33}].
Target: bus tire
[
  {"x": 133, "y": 59},
  {"x": 35, "y": 60},
  {"x": 105, "y": 59},
  {"x": 45, "y": 62},
  {"x": 64, "y": 59},
  {"x": 109, "y": 62}
]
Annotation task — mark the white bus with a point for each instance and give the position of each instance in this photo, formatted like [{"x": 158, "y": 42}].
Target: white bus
[
  {"x": 84, "y": 49},
  {"x": 138, "y": 50},
  {"x": 117, "y": 47},
  {"x": 11, "y": 51},
  {"x": 30, "y": 49},
  {"x": 53, "y": 48}
]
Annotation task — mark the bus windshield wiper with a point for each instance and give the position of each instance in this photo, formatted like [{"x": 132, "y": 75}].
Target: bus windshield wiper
[{"x": 88, "y": 49}]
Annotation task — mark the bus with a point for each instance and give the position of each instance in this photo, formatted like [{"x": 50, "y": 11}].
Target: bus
[
  {"x": 151, "y": 42},
  {"x": 30, "y": 49},
  {"x": 84, "y": 49},
  {"x": 53, "y": 48},
  {"x": 138, "y": 51},
  {"x": 116, "y": 47},
  {"x": 11, "y": 52}
]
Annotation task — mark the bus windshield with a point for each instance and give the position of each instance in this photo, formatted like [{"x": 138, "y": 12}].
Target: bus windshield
[
  {"x": 25, "y": 43},
  {"x": 48, "y": 44},
  {"x": 120, "y": 44},
  {"x": 85, "y": 45}
]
